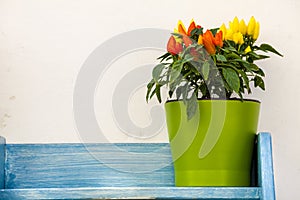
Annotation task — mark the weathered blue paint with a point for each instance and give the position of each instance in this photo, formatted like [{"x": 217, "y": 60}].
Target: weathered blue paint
[
  {"x": 265, "y": 167},
  {"x": 70, "y": 171},
  {"x": 2, "y": 162},
  {"x": 201, "y": 193},
  {"x": 72, "y": 165}
]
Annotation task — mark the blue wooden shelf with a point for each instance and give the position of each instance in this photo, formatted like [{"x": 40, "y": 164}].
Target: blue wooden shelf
[{"x": 104, "y": 171}]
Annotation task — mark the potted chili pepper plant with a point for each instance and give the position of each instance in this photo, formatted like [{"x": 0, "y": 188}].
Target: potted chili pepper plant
[{"x": 211, "y": 126}]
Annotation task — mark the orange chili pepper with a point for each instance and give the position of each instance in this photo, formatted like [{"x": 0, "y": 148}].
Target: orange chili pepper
[
  {"x": 208, "y": 42},
  {"x": 174, "y": 47}
]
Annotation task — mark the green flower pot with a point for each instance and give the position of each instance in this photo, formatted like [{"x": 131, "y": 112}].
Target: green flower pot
[{"x": 215, "y": 147}]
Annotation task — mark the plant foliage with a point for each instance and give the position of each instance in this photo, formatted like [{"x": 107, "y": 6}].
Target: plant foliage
[{"x": 214, "y": 64}]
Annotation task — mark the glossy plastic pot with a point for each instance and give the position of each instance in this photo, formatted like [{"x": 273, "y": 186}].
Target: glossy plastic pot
[{"x": 215, "y": 147}]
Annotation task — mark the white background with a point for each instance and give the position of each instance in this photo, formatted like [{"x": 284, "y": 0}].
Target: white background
[{"x": 43, "y": 44}]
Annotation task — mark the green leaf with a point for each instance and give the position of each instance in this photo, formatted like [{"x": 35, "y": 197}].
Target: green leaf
[
  {"x": 267, "y": 47},
  {"x": 232, "y": 79},
  {"x": 221, "y": 58},
  {"x": 253, "y": 55},
  {"x": 173, "y": 86},
  {"x": 168, "y": 58},
  {"x": 185, "y": 92},
  {"x": 242, "y": 86},
  {"x": 204, "y": 91},
  {"x": 179, "y": 35},
  {"x": 214, "y": 31},
  {"x": 260, "y": 72},
  {"x": 232, "y": 55},
  {"x": 197, "y": 31},
  {"x": 152, "y": 93},
  {"x": 175, "y": 71},
  {"x": 205, "y": 70},
  {"x": 239, "y": 60},
  {"x": 157, "y": 92},
  {"x": 253, "y": 67},
  {"x": 240, "y": 95},
  {"x": 192, "y": 106},
  {"x": 156, "y": 72},
  {"x": 246, "y": 80},
  {"x": 182, "y": 90},
  {"x": 178, "y": 92},
  {"x": 231, "y": 48},
  {"x": 263, "y": 56},
  {"x": 187, "y": 58},
  {"x": 259, "y": 82},
  {"x": 171, "y": 93},
  {"x": 149, "y": 88},
  {"x": 165, "y": 56},
  {"x": 250, "y": 67},
  {"x": 192, "y": 66}
]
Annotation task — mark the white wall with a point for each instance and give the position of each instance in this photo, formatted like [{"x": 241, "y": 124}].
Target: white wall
[{"x": 44, "y": 43}]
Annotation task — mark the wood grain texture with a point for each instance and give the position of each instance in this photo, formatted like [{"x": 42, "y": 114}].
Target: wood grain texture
[
  {"x": 265, "y": 166},
  {"x": 101, "y": 171},
  {"x": 72, "y": 165},
  {"x": 201, "y": 193},
  {"x": 2, "y": 162}
]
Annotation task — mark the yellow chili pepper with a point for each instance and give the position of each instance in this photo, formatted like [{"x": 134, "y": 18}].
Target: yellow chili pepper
[
  {"x": 256, "y": 31},
  {"x": 224, "y": 30},
  {"x": 234, "y": 26},
  {"x": 243, "y": 27},
  {"x": 229, "y": 34},
  {"x": 200, "y": 39},
  {"x": 251, "y": 26},
  {"x": 238, "y": 38},
  {"x": 180, "y": 28},
  {"x": 248, "y": 49}
]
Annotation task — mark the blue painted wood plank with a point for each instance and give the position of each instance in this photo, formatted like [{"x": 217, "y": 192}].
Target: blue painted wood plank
[
  {"x": 265, "y": 167},
  {"x": 2, "y": 162},
  {"x": 201, "y": 193},
  {"x": 105, "y": 171},
  {"x": 99, "y": 165}
]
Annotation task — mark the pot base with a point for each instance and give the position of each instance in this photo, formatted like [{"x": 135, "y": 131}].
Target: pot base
[{"x": 212, "y": 178}]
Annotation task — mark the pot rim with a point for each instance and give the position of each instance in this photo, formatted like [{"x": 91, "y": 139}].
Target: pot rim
[{"x": 231, "y": 99}]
